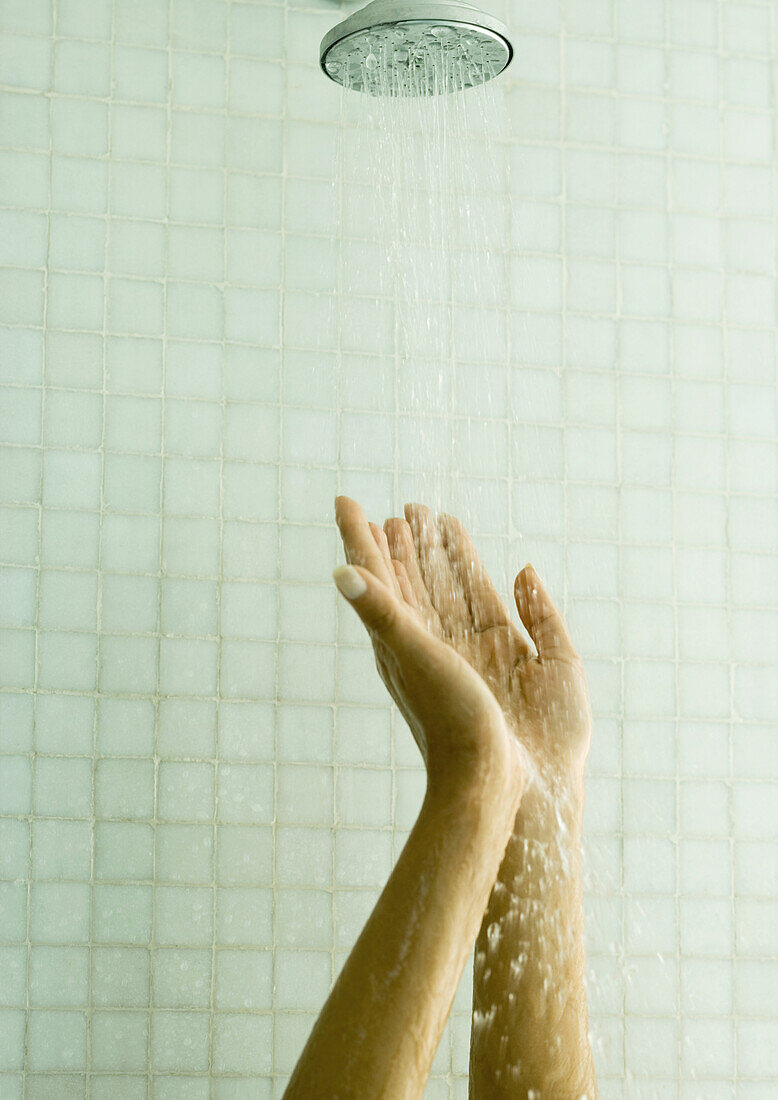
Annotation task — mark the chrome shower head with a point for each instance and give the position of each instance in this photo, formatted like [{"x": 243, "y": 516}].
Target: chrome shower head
[{"x": 398, "y": 48}]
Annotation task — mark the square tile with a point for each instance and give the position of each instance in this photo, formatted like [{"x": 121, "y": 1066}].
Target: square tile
[
  {"x": 182, "y": 977},
  {"x": 58, "y": 976}
]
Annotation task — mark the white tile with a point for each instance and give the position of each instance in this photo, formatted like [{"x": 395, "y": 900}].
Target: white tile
[
  {"x": 651, "y": 986},
  {"x": 247, "y": 669},
  {"x": 641, "y": 124},
  {"x": 756, "y": 869},
  {"x": 701, "y": 634},
  {"x": 753, "y": 981},
  {"x": 704, "y": 867},
  {"x": 649, "y": 807},
  {"x": 753, "y": 466},
  {"x": 708, "y": 1047},
  {"x": 198, "y": 80},
  {"x": 753, "y": 756},
  {"x": 590, "y": 118},
  {"x": 754, "y": 810},
  {"x": 648, "y": 747},
  {"x": 704, "y": 808},
  {"x": 362, "y": 858},
  {"x": 243, "y": 979},
  {"x": 651, "y": 1045},
  {"x": 641, "y": 69},
  {"x": 700, "y": 520},
  {"x": 701, "y": 575},
  {"x": 704, "y": 691},
  {"x": 603, "y": 806},
  {"x": 746, "y": 191},
  {"x": 744, "y": 28},
  {"x": 706, "y": 986},
  {"x": 706, "y": 927},
  {"x": 756, "y": 1047},
  {"x": 305, "y": 794},
  {"x": 65, "y": 722},
  {"x": 699, "y": 406},
  {"x": 649, "y": 865},
  {"x": 364, "y": 796},
  {"x": 756, "y": 927},
  {"x": 650, "y": 924},
  {"x": 129, "y": 604}
]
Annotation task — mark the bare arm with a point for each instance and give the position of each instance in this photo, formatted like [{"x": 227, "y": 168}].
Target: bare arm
[
  {"x": 486, "y": 712},
  {"x": 530, "y": 1025},
  {"x": 379, "y": 1030},
  {"x": 529, "y": 1039},
  {"x": 381, "y": 1025}
]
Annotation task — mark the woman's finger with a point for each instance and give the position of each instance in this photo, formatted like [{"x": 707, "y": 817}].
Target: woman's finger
[
  {"x": 486, "y": 606},
  {"x": 358, "y": 541},
  {"x": 383, "y": 547},
  {"x": 385, "y": 617},
  {"x": 400, "y": 538},
  {"x": 405, "y": 585},
  {"x": 444, "y": 588},
  {"x": 541, "y": 616}
]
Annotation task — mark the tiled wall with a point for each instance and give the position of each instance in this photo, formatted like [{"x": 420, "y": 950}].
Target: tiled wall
[{"x": 200, "y": 771}]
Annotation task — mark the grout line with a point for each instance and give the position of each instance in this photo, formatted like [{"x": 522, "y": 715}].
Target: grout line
[
  {"x": 670, "y": 212},
  {"x": 722, "y": 224},
  {"x": 157, "y": 697},
  {"x": 217, "y": 752},
  {"x": 274, "y": 1036},
  {"x": 590, "y": 430},
  {"x": 538, "y": 256},
  {"x": 622, "y": 946},
  {"x": 36, "y": 650},
  {"x": 99, "y": 586}
]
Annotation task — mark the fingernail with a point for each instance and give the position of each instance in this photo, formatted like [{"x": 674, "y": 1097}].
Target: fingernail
[{"x": 349, "y": 582}]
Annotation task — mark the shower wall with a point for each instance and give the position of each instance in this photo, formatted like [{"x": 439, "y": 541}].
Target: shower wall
[{"x": 202, "y": 784}]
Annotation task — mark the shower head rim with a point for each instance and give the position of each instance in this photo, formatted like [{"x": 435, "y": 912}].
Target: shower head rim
[
  {"x": 356, "y": 33},
  {"x": 436, "y": 12}
]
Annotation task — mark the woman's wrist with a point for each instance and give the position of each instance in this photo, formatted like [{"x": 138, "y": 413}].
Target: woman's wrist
[
  {"x": 486, "y": 775},
  {"x": 553, "y": 800}
]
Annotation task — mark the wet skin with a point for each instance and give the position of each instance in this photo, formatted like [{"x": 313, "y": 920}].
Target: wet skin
[{"x": 494, "y": 720}]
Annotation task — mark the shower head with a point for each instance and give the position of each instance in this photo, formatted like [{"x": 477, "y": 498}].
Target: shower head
[{"x": 400, "y": 48}]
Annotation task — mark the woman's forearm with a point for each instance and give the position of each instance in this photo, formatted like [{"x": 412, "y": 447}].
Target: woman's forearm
[
  {"x": 381, "y": 1025},
  {"x": 530, "y": 1020}
]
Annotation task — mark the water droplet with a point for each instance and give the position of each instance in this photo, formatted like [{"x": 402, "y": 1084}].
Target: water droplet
[
  {"x": 333, "y": 67},
  {"x": 371, "y": 62}
]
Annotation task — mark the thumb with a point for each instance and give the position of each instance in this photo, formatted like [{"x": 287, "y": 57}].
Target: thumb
[
  {"x": 376, "y": 606},
  {"x": 540, "y": 615}
]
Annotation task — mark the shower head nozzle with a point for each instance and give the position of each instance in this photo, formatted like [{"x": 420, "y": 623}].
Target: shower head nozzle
[{"x": 400, "y": 48}]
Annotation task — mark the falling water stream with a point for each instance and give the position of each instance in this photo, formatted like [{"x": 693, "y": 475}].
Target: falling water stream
[{"x": 425, "y": 222}]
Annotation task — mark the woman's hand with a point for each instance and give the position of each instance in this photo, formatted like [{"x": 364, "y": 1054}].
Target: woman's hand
[
  {"x": 443, "y": 600},
  {"x": 455, "y": 718},
  {"x": 463, "y": 675}
]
